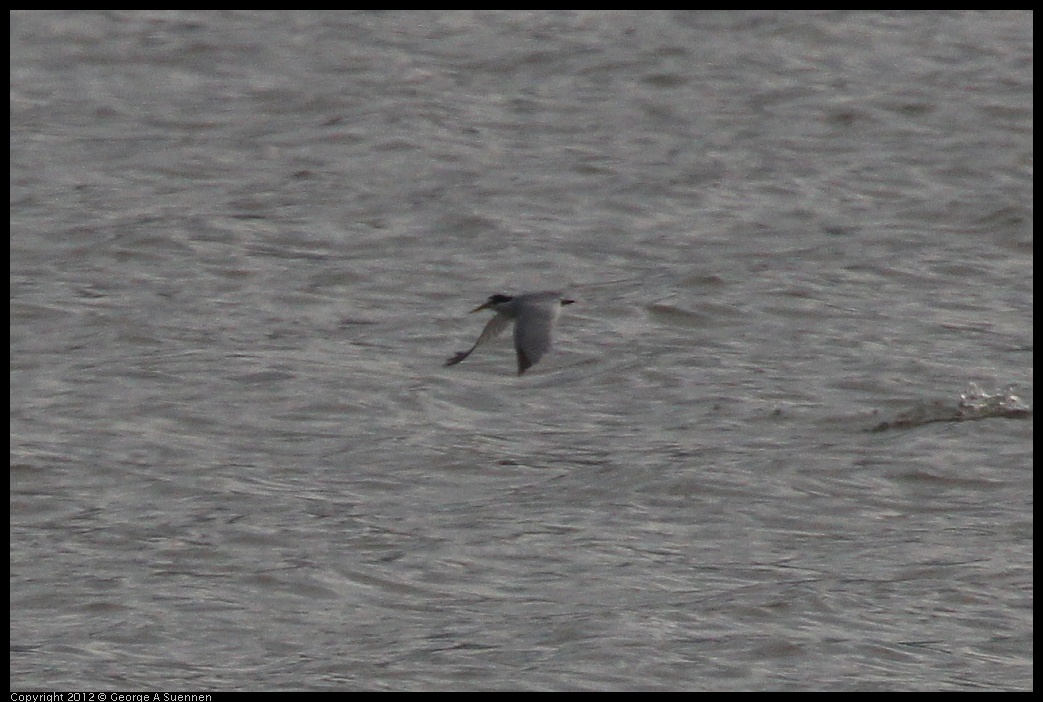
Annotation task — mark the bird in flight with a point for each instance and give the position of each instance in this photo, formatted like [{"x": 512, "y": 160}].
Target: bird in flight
[{"x": 534, "y": 315}]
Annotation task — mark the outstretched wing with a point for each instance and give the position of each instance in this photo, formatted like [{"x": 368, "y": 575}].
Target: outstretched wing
[
  {"x": 493, "y": 329},
  {"x": 532, "y": 332}
]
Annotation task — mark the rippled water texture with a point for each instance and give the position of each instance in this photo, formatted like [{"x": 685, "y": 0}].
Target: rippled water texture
[{"x": 244, "y": 243}]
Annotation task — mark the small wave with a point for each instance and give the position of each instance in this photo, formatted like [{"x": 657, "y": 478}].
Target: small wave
[{"x": 974, "y": 404}]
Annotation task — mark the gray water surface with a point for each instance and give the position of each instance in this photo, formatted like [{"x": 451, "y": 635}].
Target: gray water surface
[{"x": 244, "y": 243}]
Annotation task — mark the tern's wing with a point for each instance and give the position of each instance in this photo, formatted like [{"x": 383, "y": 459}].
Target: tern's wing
[
  {"x": 532, "y": 331},
  {"x": 496, "y": 325}
]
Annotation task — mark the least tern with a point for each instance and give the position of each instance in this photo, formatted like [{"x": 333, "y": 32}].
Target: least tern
[{"x": 534, "y": 315}]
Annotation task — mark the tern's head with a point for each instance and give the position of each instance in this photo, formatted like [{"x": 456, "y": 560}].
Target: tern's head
[{"x": 495, "y": 302}]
